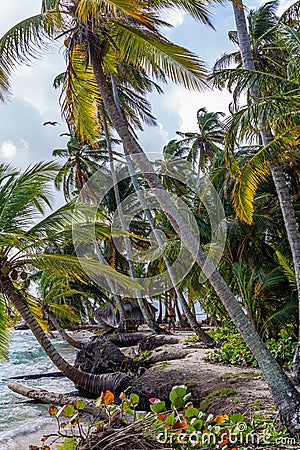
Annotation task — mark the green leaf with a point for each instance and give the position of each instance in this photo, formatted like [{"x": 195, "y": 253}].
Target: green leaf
[
  {"x": 237, "y": 418},
  {"x": 191, "y": 412},
  {"x": 176, "y": 397},
  {"x": 69, "y": 410},
  {"x": 197, "y": 424},
  {"x": 68, "y": 443},
  {"x": 79, "y": 404},
  {"x": 134, "y": 399},
  {"x": 158, "y": 407},
  {"x": 170, "y": 420}
]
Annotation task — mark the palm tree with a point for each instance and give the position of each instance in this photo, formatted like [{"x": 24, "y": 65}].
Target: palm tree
[
  {"x": 82, "y": 161},
  {"x": 141, "y": 302},
  {"x": 99, "y": 41},
  {"x": 24, "y": 198},
  {"x": 204, "y": 143}
]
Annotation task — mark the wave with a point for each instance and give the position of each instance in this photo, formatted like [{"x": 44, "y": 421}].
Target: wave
[{"x": 7, "y": 437}]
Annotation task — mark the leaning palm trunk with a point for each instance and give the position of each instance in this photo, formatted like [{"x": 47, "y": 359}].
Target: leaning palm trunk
[
  {"x": 62, "y": 332},
  {"x": 95, "y": 384},
  {"x": 285, "y": 395},
  {"x": 145, "y": 311},
  {"x": 277, "y": 173},
  {"x": 183, "y": 303}
]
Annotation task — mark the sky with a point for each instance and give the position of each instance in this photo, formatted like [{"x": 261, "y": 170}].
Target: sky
[{"x": 25, "y": 140}]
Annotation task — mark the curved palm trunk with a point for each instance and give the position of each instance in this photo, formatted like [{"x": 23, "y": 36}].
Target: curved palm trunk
[
  {"x": 80, "y": 181},
  {"x": 183, "y": 303},
  {"x": 204, "y": 337},
  {"x": 145, "y": 311},
  {"x": 95, "y": 384},
  {"x": 286, "y": 397},
  {"x": 62, "y": 332},
  {"x": 277, "y": 173}
]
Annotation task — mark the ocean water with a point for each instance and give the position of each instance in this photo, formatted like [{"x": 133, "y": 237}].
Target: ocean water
[{"x": 18, "y": 416}]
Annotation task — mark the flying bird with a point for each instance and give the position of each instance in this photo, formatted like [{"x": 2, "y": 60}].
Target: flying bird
[{"x": 50, "y": 123}]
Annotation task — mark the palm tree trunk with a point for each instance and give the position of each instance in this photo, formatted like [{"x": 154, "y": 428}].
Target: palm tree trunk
[
  {"x": 277, "y": 173},
  {"x": 286, "y": 397},
  {"x": 145, "y": 311},
  {"x": 204, "y": 337},
  {"x": 95, "y": 384},
  {"x": 62, "y": 332}
]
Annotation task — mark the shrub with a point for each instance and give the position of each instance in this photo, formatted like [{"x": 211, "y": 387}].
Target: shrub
[
  {"x": 234, "y": 350},
  {"x": 181, "y": 427}
]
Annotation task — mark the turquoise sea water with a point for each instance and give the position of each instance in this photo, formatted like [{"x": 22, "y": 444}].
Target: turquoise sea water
[{"x": 18, "y": 417}]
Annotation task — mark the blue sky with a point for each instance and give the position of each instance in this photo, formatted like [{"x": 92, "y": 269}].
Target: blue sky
[{"x": 24, "y": 139}]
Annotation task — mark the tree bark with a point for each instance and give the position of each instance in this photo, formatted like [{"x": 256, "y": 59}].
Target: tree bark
[
  {"x": 286, "y": 397},
  {"x": 62, "y": 332}
]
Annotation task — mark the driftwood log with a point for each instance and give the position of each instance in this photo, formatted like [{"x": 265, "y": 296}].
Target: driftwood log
[{"x": 44, "y": 396}]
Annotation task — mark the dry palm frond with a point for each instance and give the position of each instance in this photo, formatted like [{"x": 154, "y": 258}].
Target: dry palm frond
[{"x": 139, "y": 435}]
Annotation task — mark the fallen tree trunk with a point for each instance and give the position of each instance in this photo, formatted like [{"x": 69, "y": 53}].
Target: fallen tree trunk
[{"x": 53, "y": 398}]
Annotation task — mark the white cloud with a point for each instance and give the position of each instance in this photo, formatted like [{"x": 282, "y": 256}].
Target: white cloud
[
  {"x": 16, "y": 151},
  {"x": 187, "y": 104},
  {"x": 153, "y": 140},
  {"x": 8, "y": 149},
  {"x": 174, "y": 17}
]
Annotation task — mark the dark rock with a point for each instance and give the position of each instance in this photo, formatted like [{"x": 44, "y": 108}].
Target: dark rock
[{"x": 99, "y": 356}]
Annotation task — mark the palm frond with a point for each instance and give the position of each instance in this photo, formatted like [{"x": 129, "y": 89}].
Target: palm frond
[
  {"x": 64, "y": 311},
  {"x": 197, "y": 9},
  {"x": 288, "y": 270},
  {"x": 291, "y": 15},
  {"x": 24, "y": 196},
  {"x": 246, "y": 184},
  {"x": 29, "y": 39},
  {"x": 263, "y": 20},
  {"x": 4, "y": 83},
  {"x": 156, "y": 54},
  {"x": 80, "y": 98},
  {"x": 88, "y": 11},
  {"x": 71, "y": 268}
]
